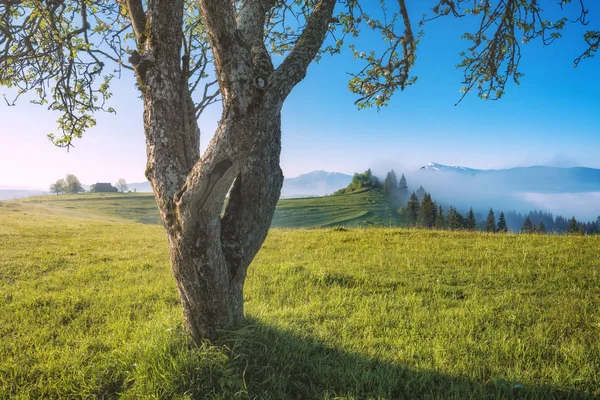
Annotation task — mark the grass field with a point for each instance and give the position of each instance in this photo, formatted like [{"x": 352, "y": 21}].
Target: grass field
[{"x": 88, "y": 309}]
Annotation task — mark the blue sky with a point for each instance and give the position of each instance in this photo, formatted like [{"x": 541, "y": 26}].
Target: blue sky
[{"x": 552, "y": 118}]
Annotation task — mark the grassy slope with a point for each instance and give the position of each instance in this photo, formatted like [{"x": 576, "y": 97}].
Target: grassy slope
[
  {"x": 88, "y": 308},
  {"x": 366, "y": 208}
]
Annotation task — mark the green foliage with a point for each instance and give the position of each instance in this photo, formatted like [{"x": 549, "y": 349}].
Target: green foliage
[
  {"x": 72, "y": 184},
  {"x": 363, "y": 181},
  {"x": 58, "y": 187},
  {"x": 90, "y": 310}
]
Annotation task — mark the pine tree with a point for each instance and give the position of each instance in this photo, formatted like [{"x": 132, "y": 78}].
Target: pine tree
[
  {"x": 412, "y": 210},
  {"x": 527, "y": 226},
  {"x": 542, "y": 229},
  {"x": 402, "y": 190},
  {"x": 573, "y": 228},
  {"x": 454, "y": 219},
  {"x": 390, "y": 185},
  {"x": 439, "y": 219},
  {"x": 427, "y": 212},
  {"x": 471, "y": 223},
  {"x": 502, "y": 223},
  {"x": 491, "y": 222},
  {"x": 421, "y": 193}
]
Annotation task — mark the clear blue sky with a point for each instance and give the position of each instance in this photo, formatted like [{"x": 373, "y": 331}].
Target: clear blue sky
[{"x": 552, "y": 118}]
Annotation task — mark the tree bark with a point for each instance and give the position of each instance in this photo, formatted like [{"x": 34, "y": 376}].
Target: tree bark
[{"x": 216, "y": 209}]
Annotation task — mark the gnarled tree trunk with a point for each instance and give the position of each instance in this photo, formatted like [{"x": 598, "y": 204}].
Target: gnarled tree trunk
[{"x": 216, "y": 208}]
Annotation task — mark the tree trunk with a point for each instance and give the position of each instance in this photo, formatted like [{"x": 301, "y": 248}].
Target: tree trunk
[
  {"x": 214, "y": 238},
  {"x": 216, "y": 209}
]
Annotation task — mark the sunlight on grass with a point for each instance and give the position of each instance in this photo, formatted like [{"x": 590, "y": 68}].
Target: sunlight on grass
[{"x": 88, "y": 308}]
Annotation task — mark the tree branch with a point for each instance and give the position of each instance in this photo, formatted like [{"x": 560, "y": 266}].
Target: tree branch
[
  {"x": 135, "y": 8},
  {"x": 293, "y": 69},
  {"x": 232, "y": 57}
]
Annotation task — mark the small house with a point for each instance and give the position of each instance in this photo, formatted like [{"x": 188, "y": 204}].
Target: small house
[{"x": 102, "y": 187}]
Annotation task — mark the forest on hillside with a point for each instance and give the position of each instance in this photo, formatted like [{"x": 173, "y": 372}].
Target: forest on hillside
[{"x": 418, "y": 209}]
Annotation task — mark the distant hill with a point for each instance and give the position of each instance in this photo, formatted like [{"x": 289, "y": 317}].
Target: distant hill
[
  {"x": 315, "y": 183},
  {"x": 143, "y": 187},
  {"x": 17, "y": 192}
]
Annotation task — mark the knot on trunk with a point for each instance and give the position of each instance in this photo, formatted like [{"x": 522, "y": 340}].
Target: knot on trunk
[{"x": 141, "y": 63}]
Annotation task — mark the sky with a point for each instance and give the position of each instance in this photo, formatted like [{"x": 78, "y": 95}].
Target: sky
[{"x": 552, "y": 118}]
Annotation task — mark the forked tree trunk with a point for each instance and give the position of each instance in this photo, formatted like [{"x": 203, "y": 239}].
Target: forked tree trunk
[{"x": 216, "y": 209}]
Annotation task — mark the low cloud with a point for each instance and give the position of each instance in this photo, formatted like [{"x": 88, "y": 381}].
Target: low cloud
[{"x": 584, "y": 206}]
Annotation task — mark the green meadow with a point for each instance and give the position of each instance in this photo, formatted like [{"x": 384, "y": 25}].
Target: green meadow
[{"x": 89, "y": 309}]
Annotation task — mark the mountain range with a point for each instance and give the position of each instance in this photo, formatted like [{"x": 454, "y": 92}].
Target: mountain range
[
  {"x": 539, "y": 179},
  {"x": 315, "y": 183}
]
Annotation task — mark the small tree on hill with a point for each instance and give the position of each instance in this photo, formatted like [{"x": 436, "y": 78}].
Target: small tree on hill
[
  {"x": 502, "y": 227},
  {"x": 58, "y": 187},
  {"x": 490, "y": 225},
  {"x": 542, "y": 228},
  {"x": 72, "y": 184},
  {"x": 471, "y": 222},
  {"x": 527, "y": 226},
  {"x": 121, "y": 185},
  {"x": 412, "y": 210}
]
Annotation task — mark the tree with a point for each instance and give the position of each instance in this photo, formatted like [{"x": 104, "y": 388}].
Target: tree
[
  {"x": 217, "y": 207},
  {"x": 542, "y": 228},
  {"x": 58, "y": 187},
  {"x": 502, "y": 227},
  {"x": 455, "y": 220},
  {"x": 573, "y": 227},
  {"x": 403, "y": 190},
  {"x": 527, "y": 226},
  {"x": 72, "y": 184},
  {"x": 412, "y": 210},
  {"x": 471, "y": 223},
  {"x": 427, "y": 212},
  {"x": 490, "y": 225},
  {"x": 421, "y": 193},
  {"x": 390, "y": 184},
  {"x": 439, "y": 219},
  {"x": 121, "y": 185}
]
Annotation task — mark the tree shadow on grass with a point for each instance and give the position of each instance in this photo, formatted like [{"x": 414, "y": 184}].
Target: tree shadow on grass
[{"x": 276, "y": 364}]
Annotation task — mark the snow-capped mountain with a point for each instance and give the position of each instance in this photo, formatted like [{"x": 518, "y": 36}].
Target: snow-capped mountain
[
  {"x": 315, "y": 183},
  {"x": 439, "y": 167}
]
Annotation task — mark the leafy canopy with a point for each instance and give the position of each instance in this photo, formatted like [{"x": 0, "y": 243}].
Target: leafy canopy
[{"x": 67, "y": 53}]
